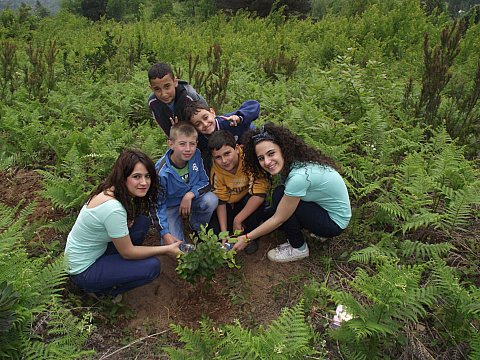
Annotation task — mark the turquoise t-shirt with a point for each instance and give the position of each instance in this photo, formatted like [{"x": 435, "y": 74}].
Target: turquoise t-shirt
[
  {"x": 323, "y": 185},
  {"x": 92, "y": 232}
]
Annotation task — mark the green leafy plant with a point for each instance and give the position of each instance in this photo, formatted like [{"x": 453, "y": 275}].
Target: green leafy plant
[
  {"x": 201, "y": 264},
  {"x": 288, "y": 337},
  {"x": 34, "y": 322}
]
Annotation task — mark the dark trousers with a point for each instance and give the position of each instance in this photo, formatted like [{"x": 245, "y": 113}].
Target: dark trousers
[
  {"x": 308, "y": 215},
  {"x": 249, "y": 223},
  {"x": 111, "y": 274}
]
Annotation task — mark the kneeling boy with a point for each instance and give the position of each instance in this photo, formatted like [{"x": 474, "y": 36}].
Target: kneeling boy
[
  {"x": 184, "y": 187},
  {"x": 241, "y": 197}
]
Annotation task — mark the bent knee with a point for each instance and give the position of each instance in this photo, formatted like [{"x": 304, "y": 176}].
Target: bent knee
[
  {"x": 209, "y": 201},
  {"x": 152, "y": 267}
]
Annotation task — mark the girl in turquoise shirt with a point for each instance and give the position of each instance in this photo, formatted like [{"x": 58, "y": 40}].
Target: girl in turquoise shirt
[
  {"x": 103, "y": 252},
  {"x": 313, "y": 196}
]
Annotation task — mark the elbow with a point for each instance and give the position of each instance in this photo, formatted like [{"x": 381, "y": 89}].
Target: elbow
[{"x": 128, "y": 256}]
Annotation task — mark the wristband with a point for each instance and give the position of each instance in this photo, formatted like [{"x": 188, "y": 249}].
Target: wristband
[{"x": 247, "y": 238}]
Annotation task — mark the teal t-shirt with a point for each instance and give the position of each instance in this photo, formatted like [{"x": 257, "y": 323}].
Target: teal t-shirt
[
  {"x": 323, "y": 185},
  {"x": 92, "y": 232}
]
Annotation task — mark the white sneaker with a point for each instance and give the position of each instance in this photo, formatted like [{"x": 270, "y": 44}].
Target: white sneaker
[{"x": 285, "y": 253}]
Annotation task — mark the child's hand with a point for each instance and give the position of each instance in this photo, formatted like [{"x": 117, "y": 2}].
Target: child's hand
[
  {"x": 240, "y": 244},
  {"x": 174, "y": 120},
  {"x": 169, "y": 239},
  {"x": 233, "y": 119},
  {"x": 186, "y": 204},
  {"x": 237, "y": 225}
]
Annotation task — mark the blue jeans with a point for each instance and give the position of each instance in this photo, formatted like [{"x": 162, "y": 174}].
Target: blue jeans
[
  {"x": 111, "y": 274},
  {"x": 308, "y": 215},
  {"x": 200, "y": 214}
]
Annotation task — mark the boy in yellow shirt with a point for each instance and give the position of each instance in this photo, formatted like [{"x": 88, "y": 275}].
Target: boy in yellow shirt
[{"x": 241, "y": 197}]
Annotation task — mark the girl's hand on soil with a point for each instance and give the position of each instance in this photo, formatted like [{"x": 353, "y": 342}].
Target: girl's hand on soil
[{"x": 240, "y": 244}]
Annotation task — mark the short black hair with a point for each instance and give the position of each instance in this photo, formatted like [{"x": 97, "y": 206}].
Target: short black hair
[
  {"x": 192, "y": 107},
  {"x": 221, "y": 138},
  {"x": 159, "y": 70}
]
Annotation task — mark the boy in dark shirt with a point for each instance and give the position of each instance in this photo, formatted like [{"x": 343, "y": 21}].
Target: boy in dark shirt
[{"x": 169, "y": 96}]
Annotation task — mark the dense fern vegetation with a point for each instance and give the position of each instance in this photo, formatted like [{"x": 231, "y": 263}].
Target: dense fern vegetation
[{"x": 388, "y": 89}]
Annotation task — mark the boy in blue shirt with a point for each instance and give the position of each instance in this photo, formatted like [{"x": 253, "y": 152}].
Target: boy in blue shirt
[
  {"x": 203, "y": 118},
  {"x": 185, "y": 190},
  {"x": 169, "y": 96}
]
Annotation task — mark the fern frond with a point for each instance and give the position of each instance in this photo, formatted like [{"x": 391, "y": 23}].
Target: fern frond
[
  {"x": 421, "y": 220},
  {"x": 422, "y": 250},
  {"x": 459, "y": 209},
  {"x": 393, "y": 209},
  {"x": 474, "y": 346},
  {"x": 373, "y": 254},
  {"x": 288, "y": 337}
]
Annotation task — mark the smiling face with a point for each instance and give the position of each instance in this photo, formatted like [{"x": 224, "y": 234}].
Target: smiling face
[
  {"x": 138, "y": 182},
  {"x": 183, "y": 149},
  {"x": 227, "y": 158},
  {"x": 270, "y": 157},
  {"x": 204, "y": 121},
  {"x": 164, "y": 88}
]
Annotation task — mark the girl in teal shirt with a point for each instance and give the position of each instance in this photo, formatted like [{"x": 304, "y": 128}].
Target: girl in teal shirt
[
  {"x": 313, "y": 197},
  {"x": 103, "y": 252}
]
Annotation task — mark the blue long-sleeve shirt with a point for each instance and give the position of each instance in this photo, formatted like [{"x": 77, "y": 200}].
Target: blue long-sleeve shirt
[{"x": 248, "y": 112}]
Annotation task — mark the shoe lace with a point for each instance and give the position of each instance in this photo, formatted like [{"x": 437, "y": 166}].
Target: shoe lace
[{"x": 285, "y": 248}]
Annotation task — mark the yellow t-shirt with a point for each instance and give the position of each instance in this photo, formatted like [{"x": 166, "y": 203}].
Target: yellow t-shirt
[{"x": 231, "y": 188}]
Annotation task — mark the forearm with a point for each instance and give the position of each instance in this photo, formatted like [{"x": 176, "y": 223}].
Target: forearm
[
  {"x": 265, "y": 228},
  {"x": 285, "y": 210},
  {"x": 143, "y": 252}
]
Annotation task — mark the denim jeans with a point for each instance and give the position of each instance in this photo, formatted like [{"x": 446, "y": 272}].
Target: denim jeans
[
  {"x": 200, "y": 214},
  {"x": 308, "y": 215},
  {"x": 111, "y": 274}
]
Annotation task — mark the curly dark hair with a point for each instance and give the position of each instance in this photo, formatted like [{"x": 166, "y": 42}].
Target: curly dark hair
[
  {"x": 294, "y": 149},
  {"x": 117, "y": 178}
]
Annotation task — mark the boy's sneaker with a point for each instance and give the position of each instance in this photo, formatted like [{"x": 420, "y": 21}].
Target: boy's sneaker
[
  {"x": 251, "y": 247},
  {"x": 285, "y": 253}
]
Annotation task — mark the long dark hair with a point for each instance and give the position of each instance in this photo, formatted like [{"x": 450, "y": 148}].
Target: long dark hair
[
  {"x": 117, "y": 179},
  {"x": 294, "y": 149}
]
